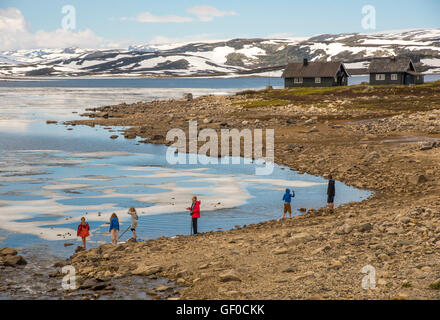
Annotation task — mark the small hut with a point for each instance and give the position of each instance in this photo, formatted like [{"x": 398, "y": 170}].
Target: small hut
[
  {"x": 315, "y": 74},
  {"x": 394, "y": 70}
]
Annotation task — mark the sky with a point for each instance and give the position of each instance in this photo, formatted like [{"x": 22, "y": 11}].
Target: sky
[{"x": 26, "y": 24}]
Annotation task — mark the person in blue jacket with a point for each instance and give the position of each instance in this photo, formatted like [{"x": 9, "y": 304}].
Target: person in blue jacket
[
  {"x": 287, "y": 198},
  {"x": 114, "y": 228}
]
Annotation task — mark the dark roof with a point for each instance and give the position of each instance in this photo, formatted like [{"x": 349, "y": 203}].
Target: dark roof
[
  {"x": 312, "y": 69},
  {"x": 390, "y": 65}
]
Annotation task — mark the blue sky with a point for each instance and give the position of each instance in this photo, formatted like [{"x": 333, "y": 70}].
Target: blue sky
[{"x": 121, "y": 20}]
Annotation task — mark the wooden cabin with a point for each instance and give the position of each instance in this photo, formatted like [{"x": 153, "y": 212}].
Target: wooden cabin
[
  {"x": 394, "y": 70},
  {"x": 315, "y": 74}
]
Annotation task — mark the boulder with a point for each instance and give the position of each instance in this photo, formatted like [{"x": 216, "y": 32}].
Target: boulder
[
  {"x": 417, "y": 179},
  {"x": 147, "y": 270},
  {"x": 13, "y": 261},
  {"x": 188, "y": 96},
  {"x": 365, "y": 227},
  {"x": 298, "y": 238},
  {"x": 5, "y": 251},
  {"x": 228, "y": 276}
]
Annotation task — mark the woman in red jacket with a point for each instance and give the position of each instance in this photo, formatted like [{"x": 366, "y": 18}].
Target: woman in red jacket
[
  {"x": 83, "y": 231},
  {"x": 195, "y": 213}
]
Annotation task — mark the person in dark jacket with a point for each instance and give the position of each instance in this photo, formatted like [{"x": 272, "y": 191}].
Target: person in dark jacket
[
  {"x": 195, "y": 213},
  {"x": 331, "y": 192},
  {"x": 287, "y": 198}
]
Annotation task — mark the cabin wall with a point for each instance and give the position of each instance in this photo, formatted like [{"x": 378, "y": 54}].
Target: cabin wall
[
  {"x": 420, "y": 79},
  {"x": 309, "y": 82},
  {"x": 400, "y": 78}
]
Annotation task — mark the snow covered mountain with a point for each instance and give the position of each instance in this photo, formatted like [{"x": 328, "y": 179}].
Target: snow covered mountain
[{"x": 229, "y": 57}]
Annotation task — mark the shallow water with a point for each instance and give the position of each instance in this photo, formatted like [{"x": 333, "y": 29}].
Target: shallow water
[{"x": 50, "y": 176}]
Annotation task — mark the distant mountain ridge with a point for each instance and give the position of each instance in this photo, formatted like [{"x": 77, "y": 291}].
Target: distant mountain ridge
[{"x": 233, "y": 57}]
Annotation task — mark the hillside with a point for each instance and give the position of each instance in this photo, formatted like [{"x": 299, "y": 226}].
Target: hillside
[{"x": 227, "y": 58}]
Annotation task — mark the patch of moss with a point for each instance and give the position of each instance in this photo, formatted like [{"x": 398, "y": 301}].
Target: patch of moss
[
  {"x": 307, "y": 91},
  {"x": 406, "y": 284},
  {"x": 265, "y": 103},
  {"x": 435, "y": 285}
]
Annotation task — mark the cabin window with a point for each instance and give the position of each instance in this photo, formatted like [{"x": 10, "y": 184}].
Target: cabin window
[
  {"x": 394, "y": 76},
  {"x": 380, "y": 76},
  {"x": 317, "y": 80},
  {"x": 297, "y": 80}
]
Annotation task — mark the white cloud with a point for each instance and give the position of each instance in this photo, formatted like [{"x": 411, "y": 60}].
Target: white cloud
[
  {"x": 207, "y": 13},
  {"x": 148, "y": 17},
  {"x": 15, "y": 34},
  {"x": 203, "y": 13}
]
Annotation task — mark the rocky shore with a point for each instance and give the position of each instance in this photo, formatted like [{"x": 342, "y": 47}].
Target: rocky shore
[{"x": 385, "y": 139}]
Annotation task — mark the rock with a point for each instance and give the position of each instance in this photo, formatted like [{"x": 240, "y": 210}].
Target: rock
[
  {"x": 417, "y": 179},
  {"x": 115, "y": 136},
  {"x": 365, "y": 227},
  {"x": 278, "y": 251},
  {"x": 51, "y": 122},
  {"x": 79, "y": 249},
  {"x": 309, "y": 122},
  {"x": 102, "y": 286},
  {"x": 322, "y": 249},
  {"x": 229, "y": 276},
  {"x": 188, "y": 96},
  {"x": 314, "y": 129},
  {"x": 61, "y": 264},
  {"x": 335, "y": 264},
  {"x": 157, "y": 137},
  {"x": 5, "y": 251},
  {"x": 384, "y": 257},
  {"x": 426, "y": 269},
  {"x": 289, "y": 270},
  {"x": 298, "y": 238},
  {"x": 130, "y": 136},
  {"x": 303, "y": 276},
  {"x": 163, "y": 288},
  {"x": 13, "y": 261},
  {"x": 181, "y": 273},
  {"x": 345, "y": 229},
  {"x": 87, "y": 284},
  {"x": 147, "y": 270},
  {"x": 67, "y": 244}
]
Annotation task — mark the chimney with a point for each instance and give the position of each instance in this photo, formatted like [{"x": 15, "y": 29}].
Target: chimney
[{"x": 305, "y": 62}]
